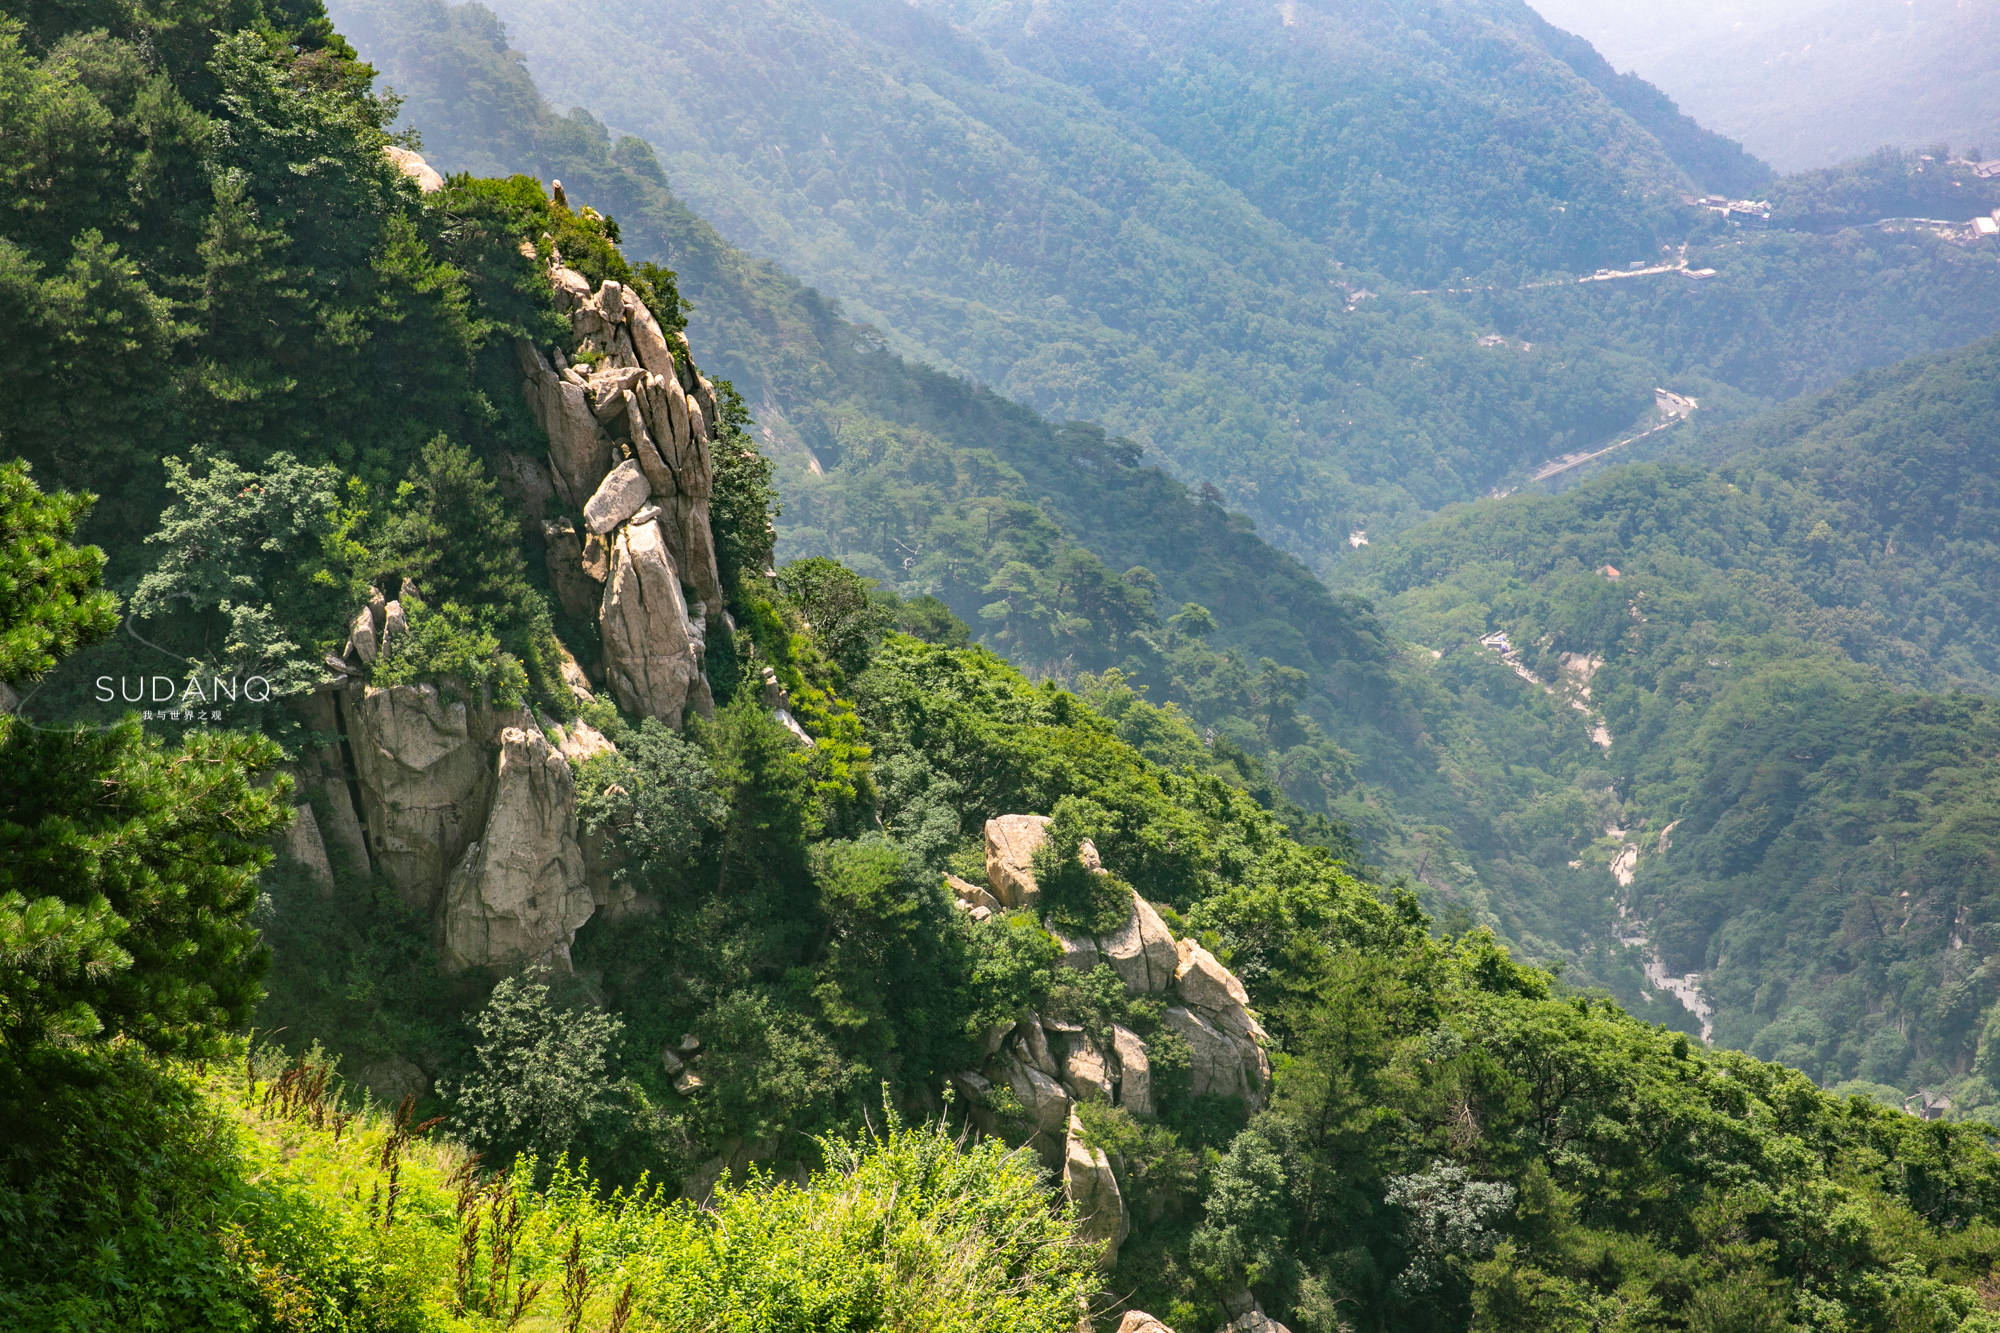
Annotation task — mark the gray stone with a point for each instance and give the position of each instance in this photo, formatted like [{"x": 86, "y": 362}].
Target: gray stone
[
  {"x": 648, "y": 342},
  {"x": 412, "y": 165},
  {"x": 1078, "y": 951},
  {"x": 1135, "y": 1071},
  {"x": 1085, "y": 1071},
  {"x": 619, "y": 496},
  {"x": 394, "y": 622},
  {"x": 579, "y": 450},
  {"x": 576, "y": 592},
  {"x": 1093, "y": 1188},
  {"x": 1011, "y": 844},
  {"x": 970, "y": 896},
  {"x": 1205, "y": 984},
  {"x": 361, "y": 637},
  {"x": 1138, "y": 1321},
  {"x": 305, "y": 847},
  {"x": 424, "y": 781},
  {"x": 649, "y": 652},
  {"x": 1225, "y": 1064},
  {"x": 519, "y": 894},
  {"x": 581, "y": 741},
  {"x": 1042, "y": 1099},
  {"x": 1142, "y": 950}
]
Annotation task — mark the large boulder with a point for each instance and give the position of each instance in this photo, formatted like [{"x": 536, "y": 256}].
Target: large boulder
[
  {"x": 970, "y": 896},
  {"x": 306, "y": 849},
  {"x": 322, "y": 777},
  {"x": 425, "y": 781},
  {"x": 650, "y": 653},
  {"x": 621, "y": 494},
  {"x": 577, "y": 593},
  {"x": 1086, "y": 1071},
  {"x": 1078, "y": 951},
  {"x": 1093, "y": 1188},
  {"x": 579, "y": 449},
  {"x": 520, "y": 893},
  {"x": 1222, "y": 1063},
  {"x": 412, "y": 164},
  {"x": 1204, "y": 984},
  {"x": 1134, "y": 1090},
  {"x": 1138, "y": 1321},
  {"x": 1142, "y": 950},
  {"x": 1042, "y": 1100},
  {"x": 1011, "y": 844}
]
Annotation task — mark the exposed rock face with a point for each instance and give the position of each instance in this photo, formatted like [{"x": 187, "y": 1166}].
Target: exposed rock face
[
  {"x": 1138, "y": 1321},
  {"x": 1011, "y": 844},
  {"x": 424, "y": 782},
  {"x": 1207, "y": 1007},
  {"x": 1142, "y": 951},
  {"x": 1226, "y": 1064},
  {"x": 577, "y": 593},
  {"x": 1255, "y": 1321},
  {"x": 413, "y": 165},
  {"x": 649, "y": 645},
  {"x": 1206, "y": 985},
  {"x": 581, "y": 741},
  {"x": 1135, "y": 1084},
  {"x": 1079, "y": 951},
  {"x": 579, "y": 450},
  {"x": 970, "y": 896},
  {"x": 620, "y": 495},
  {"x": 1093, "y": 1188},
  {"x": 1086, "y": 1073},
  {"x": 361, "y": 640},
  {"x": 303, "y": 845},
  {"x": 322, "y": 776},
  {"x": 1043, "y": 1101},
  {"x": 519, "y": 894},
  {"x": 641, "y": 390}
]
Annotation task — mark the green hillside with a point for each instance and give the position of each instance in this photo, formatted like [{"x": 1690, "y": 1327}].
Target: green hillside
[
  {"x": 764, "y": 1034},
  {"x": 1812, "y": 814},
  {"x": 1061, "y": 547},
  {"x": 1204, "y": 233}
]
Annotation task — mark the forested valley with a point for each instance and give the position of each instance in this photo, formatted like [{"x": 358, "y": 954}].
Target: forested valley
[{"x": 676, "y": 810}]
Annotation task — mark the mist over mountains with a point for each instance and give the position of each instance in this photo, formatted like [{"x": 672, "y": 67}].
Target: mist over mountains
[{"x": 1811, "y": 83}]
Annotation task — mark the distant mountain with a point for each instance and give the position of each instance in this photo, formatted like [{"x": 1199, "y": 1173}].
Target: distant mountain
[
  {"x": 1264, "y": 244},
  {"x": 1057, "y": 543},
  {"x": 1809, "y": 83},
  {"x": 1794, "y": 650}
]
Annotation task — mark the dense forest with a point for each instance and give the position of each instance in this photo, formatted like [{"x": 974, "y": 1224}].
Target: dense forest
[
  {"x": 1061, "y": 547},
  {"x": 1780, "y": 660},
  {"x": 1267, "y": 254},
  {"x": 752, "y": 1047}
]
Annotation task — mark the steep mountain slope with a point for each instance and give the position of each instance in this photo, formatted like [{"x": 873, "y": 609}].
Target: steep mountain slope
[
  {"x": 1195, "y": 225},
  {"x": 1059, "y": 546},
  {"x": 1808, "y": 83},
  {"x": 1810, "y": 832},
  {"x": 700, "y": 896}
]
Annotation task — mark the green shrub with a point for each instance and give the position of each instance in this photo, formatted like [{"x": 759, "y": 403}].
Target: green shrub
[{"x": 456, "y": 651}]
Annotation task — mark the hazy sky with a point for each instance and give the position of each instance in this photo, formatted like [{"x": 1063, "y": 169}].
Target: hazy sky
[{"x": 1811, "y": 82}]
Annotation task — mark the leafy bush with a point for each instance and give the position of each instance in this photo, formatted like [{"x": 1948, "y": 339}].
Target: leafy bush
[
  {"x": 656, "y": 797},
  {"x": 540, "y": 1071},
  {"x": 455, "y": 650}
]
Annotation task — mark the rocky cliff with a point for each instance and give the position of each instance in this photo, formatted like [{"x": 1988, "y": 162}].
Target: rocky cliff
[
  {"x": 470, "y": 811},
  {"x": 1039, "y": 1070}
]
